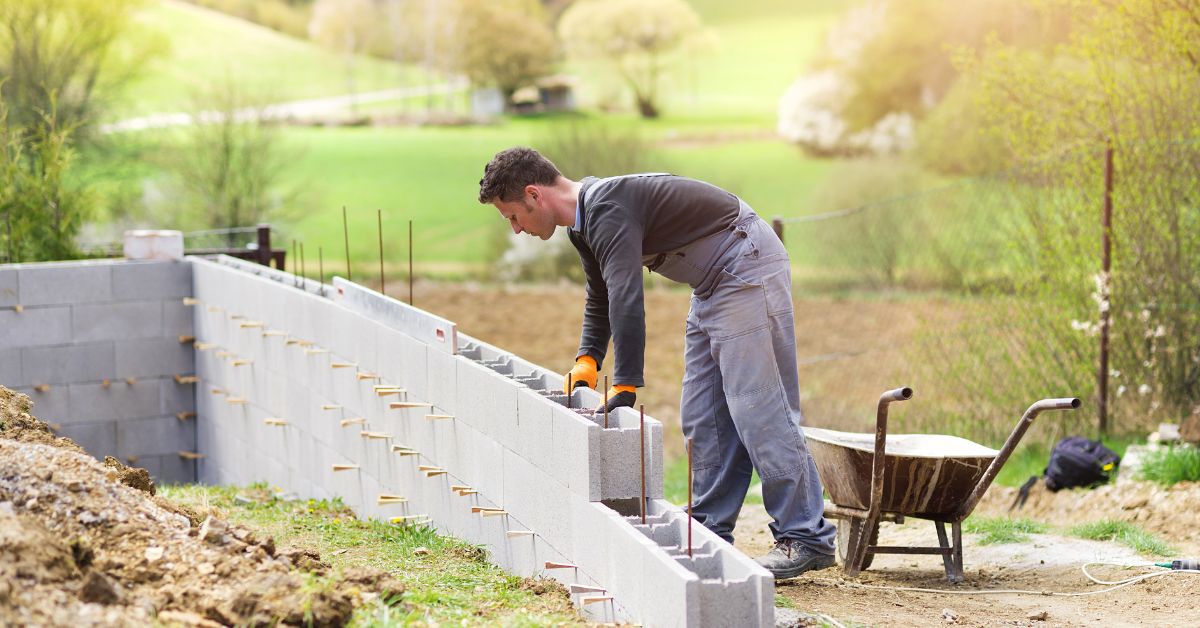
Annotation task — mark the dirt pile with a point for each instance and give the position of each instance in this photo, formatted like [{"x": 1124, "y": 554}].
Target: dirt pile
[
  {"x": 1171, "y": 512},
  {"x": 79, "y": 546}
]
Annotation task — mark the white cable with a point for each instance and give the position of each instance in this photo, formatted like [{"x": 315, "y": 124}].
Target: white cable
[
  {"x": 829, "y": 620},
  {"x": 1122, "y": 584}
]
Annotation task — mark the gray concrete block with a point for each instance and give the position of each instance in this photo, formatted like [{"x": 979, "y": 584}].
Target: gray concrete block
[
  {"x": 155, "y": 437},
  {"x": 154, "y": 357},
  {"x": 442, "y": 380},
  {"x": 66, "y": 282},
  {"x": 35, "y": 326},
  {"x": 98, "y": 439},
  {"x": 145, "y": 280},
  {"x": 52, "y": 406},
  {"x": 173, "y": 469},
  {"x": 117, "y": 321},
  {"x": 94, "y": 402},
  {"x": 67, "y": 364},
  {"x": 178, "y": 319},
  {"x": 10, "y": 368},
  {"x": 176, "y": 397},
  {"x": 576, "y": 453},
  {"x": 9, "y": 294},
  {"x": 535, "y": 431},
  {"x": 403, "y": 361}
]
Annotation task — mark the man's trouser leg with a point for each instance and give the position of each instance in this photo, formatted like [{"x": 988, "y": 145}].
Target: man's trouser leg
[{"x": 747, "y": 321}]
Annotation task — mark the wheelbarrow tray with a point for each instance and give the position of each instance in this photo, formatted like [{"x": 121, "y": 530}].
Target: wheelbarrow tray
[{"x": 925, "y": 475}]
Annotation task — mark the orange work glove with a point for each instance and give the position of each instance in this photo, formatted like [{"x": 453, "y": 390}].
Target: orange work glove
[
  {"x": 582, "y": 374},
  {"x": 619, "y": 396}
]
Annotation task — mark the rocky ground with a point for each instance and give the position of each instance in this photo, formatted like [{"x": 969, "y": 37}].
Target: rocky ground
[{"x": 85, "y": 543}]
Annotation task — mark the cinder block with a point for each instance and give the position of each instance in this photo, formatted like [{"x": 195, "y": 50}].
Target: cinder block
[
  {"x": 69, "y": 282},
  {"x": 10, "y": 368},
  {"x": 535, "y": 430},
  {"x": 94, "y": 402},
  {"x": 98, "y": 439},
  {"x": 9, "y": 295},
  {"x": 576, "y": 453},
  {"x": 142, "y": 280},
  {"x": 117, "y": 321},
  {"x": 403, "y": 361},
  {"x": 178, "y": 319},
  {"x": 35, "y": 326},
  {"x": 538, "y": 500},
  {"x": 442, "y": 380},
  {"x": 153, "y": 357},
  {"x": 66, "y": 364},
  {"x": 155, "y": 437},
  {"x": 52, "y": 406},
  {"x": 174, "y": 469}
]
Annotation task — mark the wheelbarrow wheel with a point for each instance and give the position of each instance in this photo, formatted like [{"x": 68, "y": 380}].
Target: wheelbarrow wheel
[{"x": 848, "y": 529}]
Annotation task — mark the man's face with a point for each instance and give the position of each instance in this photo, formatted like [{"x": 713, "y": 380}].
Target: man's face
[{"x": 527, "y": 215}]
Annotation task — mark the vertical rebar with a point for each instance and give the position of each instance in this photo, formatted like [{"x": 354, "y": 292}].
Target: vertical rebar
[
  {"x": 382, "y": 283},
  {"x": 321, "y": 268},
  {"x": 410, "y": 262},
  {"x": 570, "y": 389},
  {"x": 689, "y": 513},
  {"x": 264, "y": 244},
  {"x": 605, "y": 402},
  {"x": 346, "y": 237},
  {"x": 777, "y": 227},
  {"x": 303, "y": 276},
  {"x": 1106, "y": 278},
  {"x": 8, "y": 219},
  {"x": 295, "y": 259},
  {"x": 642, "y": 435}
]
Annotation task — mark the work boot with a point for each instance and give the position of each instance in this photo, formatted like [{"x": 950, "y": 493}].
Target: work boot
[{"x": 790, "y": 558}]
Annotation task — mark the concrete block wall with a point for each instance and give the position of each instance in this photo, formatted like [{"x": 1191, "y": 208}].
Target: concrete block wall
[
  {"x": 97, "y": 347},
  {"x": 465, "y": 436}
]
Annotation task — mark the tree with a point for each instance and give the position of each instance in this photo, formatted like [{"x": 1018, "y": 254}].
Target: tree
[
  {"x": 507, "y": 45},
  {"x": 638, "y": 38},
  {"x": 72, "y": 52},
  {"x": 344, "y": 26}
]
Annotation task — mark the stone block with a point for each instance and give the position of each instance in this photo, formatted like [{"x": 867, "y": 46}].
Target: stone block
[
  {"x": 10, "y": 368},
  {"x": 176, "y": 397},
  {"x": 117, "y": 321},
  {"x": 9, "y": 294},
  {"x": 155, "y": 437},
  {"x": 98, "y": 439},
  {"x": 576, "y": 453},
  {"x": 66, "y": 364},
  {"x": 35, "y": 326},
  {"x": 52, "y": 406},
  {"x": 153, "y": 357},
  {"x": 178, "y": 319},
  {"x": 539, "y": 501},
  {"x": 119, "y": 401},
  {"x": 174, "y": 469},
  {"x": 66, "y": 282},
  {"x": 441, "y": 380},
  {"x": 142, "y": 280}
]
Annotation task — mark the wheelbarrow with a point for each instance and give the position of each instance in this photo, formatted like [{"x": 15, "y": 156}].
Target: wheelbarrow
[{"x": 890, "y": 477}]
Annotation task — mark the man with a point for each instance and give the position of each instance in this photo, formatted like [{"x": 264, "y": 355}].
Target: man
[{"x": 741, "y": 399}]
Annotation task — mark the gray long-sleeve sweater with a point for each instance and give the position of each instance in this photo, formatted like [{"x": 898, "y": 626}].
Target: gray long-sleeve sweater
[{"x": 623, "y": 220}]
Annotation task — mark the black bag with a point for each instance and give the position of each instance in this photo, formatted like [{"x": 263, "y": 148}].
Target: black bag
[{"x": 1075, "y": 461}]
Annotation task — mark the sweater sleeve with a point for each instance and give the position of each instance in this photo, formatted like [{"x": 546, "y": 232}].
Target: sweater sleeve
[
  {"x": 616, "y": 243},
  {"x": 596, "y": 332}
]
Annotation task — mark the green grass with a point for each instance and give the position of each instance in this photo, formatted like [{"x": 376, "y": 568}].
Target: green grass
[
  {"x": 202, "y": 48},
  {"x": 1172, "y": 466},
  {"x": 675, "y": 483},
  {"x": 1125, "y": 533},
  {"x": 998, "y": 530},
  {"x": 451, "y": 584}
]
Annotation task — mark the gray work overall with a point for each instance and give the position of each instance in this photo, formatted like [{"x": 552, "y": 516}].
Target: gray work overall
[{"x": 741, "y": 393}]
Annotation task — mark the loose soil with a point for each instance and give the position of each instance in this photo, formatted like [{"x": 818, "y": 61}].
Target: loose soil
[{"x": 84, "y": 543}]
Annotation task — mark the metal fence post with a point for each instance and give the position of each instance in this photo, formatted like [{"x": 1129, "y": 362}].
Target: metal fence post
[
  {"x": 777, "y": 225},
  {"x": 264, "y": 244},
  {"x": 1106, "y": 286}
]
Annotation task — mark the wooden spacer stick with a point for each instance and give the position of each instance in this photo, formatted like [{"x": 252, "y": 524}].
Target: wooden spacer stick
[
  {"x": 400, "y": 405},
  {"x": 435, "y": 417},
  {"x": 390, "y": 499},
  {"x": 366, "y": 375},
  {"x": 305, "y": 343},
  {"x": 224, "y": 354},
  {"x": 273, "y": 332},
  {"x": 236, "y": 317},
  {"x": 352, "y": 421},
  {"x": 105, "y": 384},
  {"x": 315, "y": 351},
  {"x": 592, "y": 599},
  {"x": 406, "y": 452},
  {"x": 331, "y": 406},
  {"x": 401, "y": 448},
  {"x": 584, "y": 588},
  {"x": 292, "y": 341},
  {"x": 216, "y": 391},
  {"x": 18, "y": 308},
  {"x": 459, "y": 487},
  {"x": 190, "y": 455},
  {"x": 242, "y": 362},
  {"x": 251, "y": 325},
  {"x": 131, "y": 380},
  {"x": 515, "y": 533},
  {"x": 235, "y": 401},
  {"x": 375, "y": 435},
  {"x": 203, "y": 346},
  {"x": 345, "y": 467},
  {"x": 553, "y": 565},
  {"x": 342, "y": 365},
  {"x": 184, "y": 339},
  {"x": 475, "y": 509},
  {"x": 386, "y": 388},
  {"x": 426, "y": 467},
  {"x": 42, "y": 388},
  {"x": 469, "y": 491},
  {"x": 183, "y": 416},
  {"x": 215, "y": 308},
  {"x": 430, "y": 474},
  {"x": 392, "y": 391},
  {"x": 186, "y": 379},
  {"x": 403, "y": 518},
  {"x": 278, "y": 422},
  {"x": 191, "y": 301},
  {"x": 493, "y": 513}
]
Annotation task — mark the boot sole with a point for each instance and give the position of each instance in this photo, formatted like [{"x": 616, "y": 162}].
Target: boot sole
[{"x": 812, "y": 564}]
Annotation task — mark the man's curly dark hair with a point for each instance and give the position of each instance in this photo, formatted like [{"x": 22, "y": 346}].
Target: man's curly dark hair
[{"x": 507, "y": 174}]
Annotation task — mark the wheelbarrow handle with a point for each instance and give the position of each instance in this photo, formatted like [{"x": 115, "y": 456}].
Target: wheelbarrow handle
[
  {"x": 1065, "y": 403},
  {"x": 877, "y": 464}
]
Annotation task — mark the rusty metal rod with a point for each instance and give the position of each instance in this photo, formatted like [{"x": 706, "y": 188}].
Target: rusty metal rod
[
  {"x": 382, "y": 284},
  {"x": 570, "y": 389},
  {"x": 642, "y": 457},
  {"x": 605, "y": 402},
  {"x": 321, "y": 268},
  {"x": 295, "y": 258},
  {"x": 410, "y": 262},
  {"x": 1106, "y": 291},
  {"x": 689, "y": 512},
  {"x": 346, "y": 238},
  {"x": 303, "y": 273},
  {"x": 1066, "y": 403}
]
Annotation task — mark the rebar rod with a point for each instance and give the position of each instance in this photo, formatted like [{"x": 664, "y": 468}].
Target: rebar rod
[
  {"x": 321, "y": 267},
  {"x": 605, "y": 402},
  {"x": 410, "y": 262},
  {"x": 303, "y": 276},
  {"x": 689, "y": 512},
  {"x": 346, "y": 238},
  {"x": 642, "y": 435},
  {"x": 382, "y": 283}
]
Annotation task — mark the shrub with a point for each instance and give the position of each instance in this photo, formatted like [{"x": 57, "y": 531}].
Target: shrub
[{"x": 1172, "y": 466}]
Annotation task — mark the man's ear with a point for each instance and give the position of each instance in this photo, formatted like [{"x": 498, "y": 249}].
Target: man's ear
[{"x": 532, "y": 191}]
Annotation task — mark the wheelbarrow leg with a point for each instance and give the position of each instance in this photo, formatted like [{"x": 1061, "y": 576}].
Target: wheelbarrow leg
[
  {"x": 862, "y": 532},
  {"x": 944, "y": 543},
  {"x": 957, "y": 576},
  {"x": 952, "y": 559}
]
